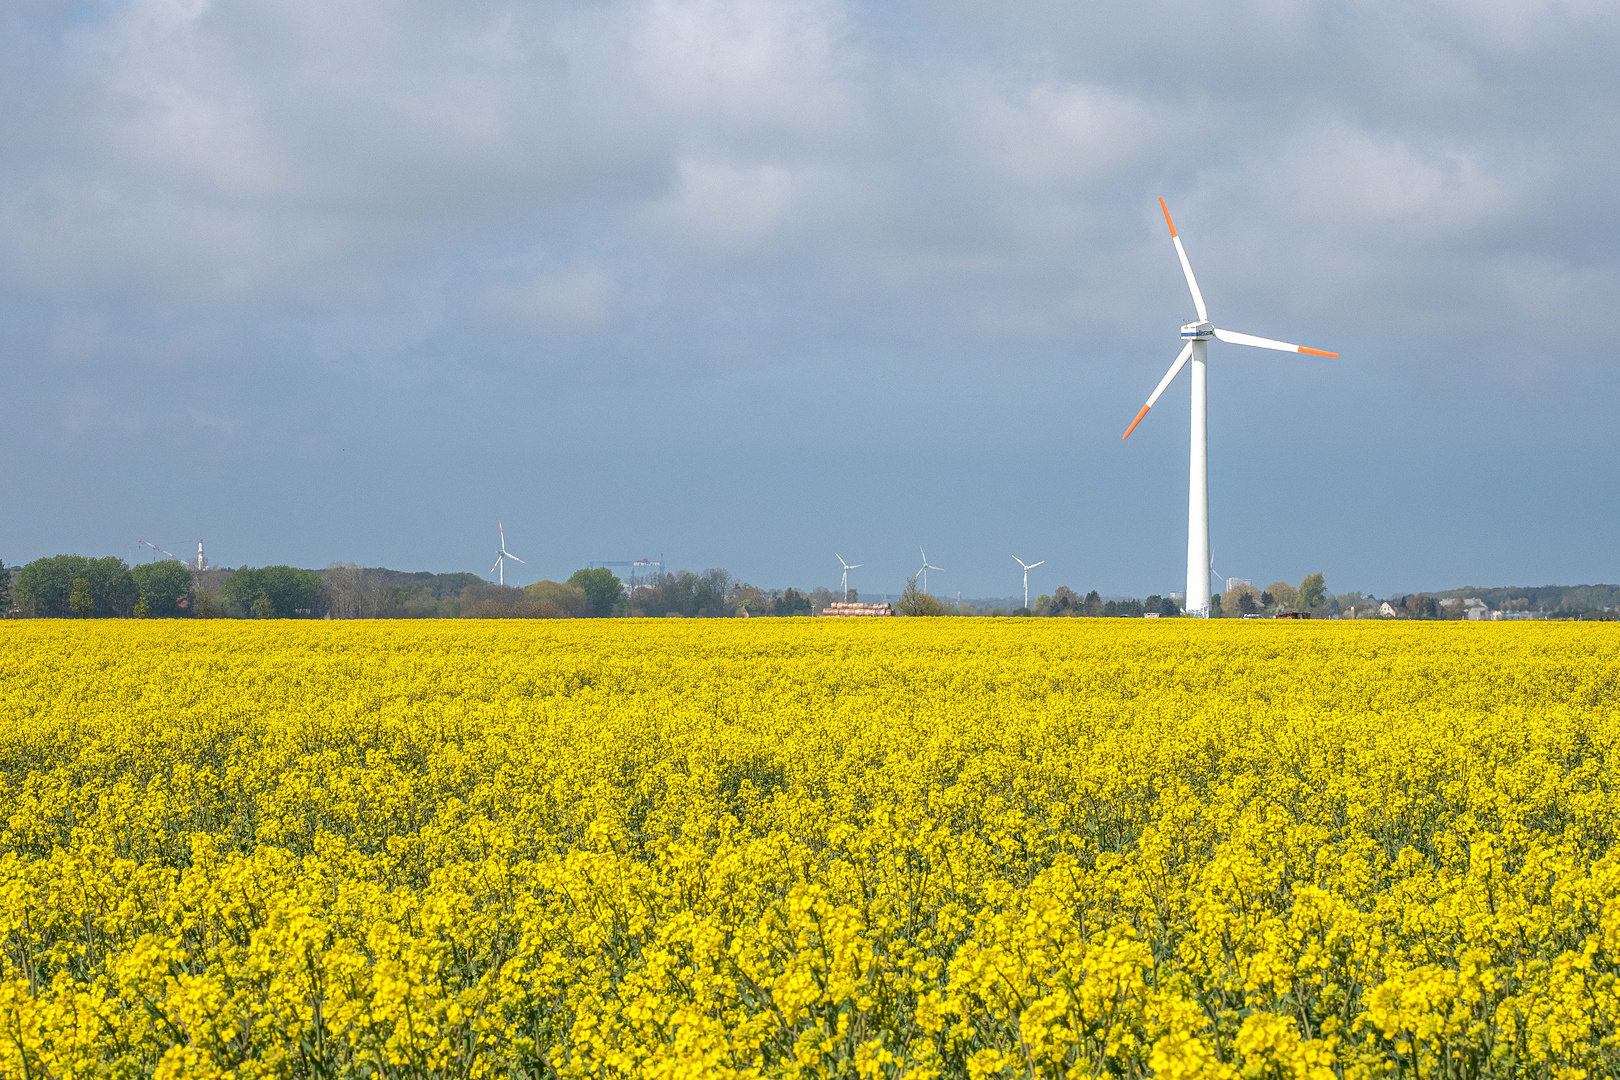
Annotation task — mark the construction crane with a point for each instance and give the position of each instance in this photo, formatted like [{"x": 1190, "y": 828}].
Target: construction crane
[{"x": 154, "y": 547}]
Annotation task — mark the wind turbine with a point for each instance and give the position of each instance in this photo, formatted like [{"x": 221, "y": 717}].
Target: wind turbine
[
  {"x": 925, "y": 568},
  {"x": 1197, "y": 335},
  {"x": 844, "y": 586},
  {"x": 500, "y": 560},
  {"x": 1027, "y": 568}
]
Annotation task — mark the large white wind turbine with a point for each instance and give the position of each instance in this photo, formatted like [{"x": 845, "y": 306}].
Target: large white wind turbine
[
  {"x": 500, "y": 560},
  {"x": 843, "y": 588},
  {"x": 1197, "y": 335},
  {"x": 926, "y": 566},
  {"x": 1027, "y": 568}
]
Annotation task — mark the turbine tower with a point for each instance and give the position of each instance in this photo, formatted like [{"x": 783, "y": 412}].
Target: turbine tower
[
  {"x": 925, "y": 568},
  {"x": 1197, "y": 335},
  {"x": 844, "y": 585},
  {"x": 1027, "y": 568},
  {"x": 500, "y": 560}
]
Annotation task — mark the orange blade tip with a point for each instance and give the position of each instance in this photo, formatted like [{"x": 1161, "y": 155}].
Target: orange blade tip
[
  {"x": 1318, "y": 352},
  {"x": 1167, "y": 221},
  {"x": 1138, "y": 420}
]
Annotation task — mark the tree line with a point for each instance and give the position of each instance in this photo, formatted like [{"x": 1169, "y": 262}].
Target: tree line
[
  {"x": 73, "y": 586},
  {"x": 1310, "y": 596}
]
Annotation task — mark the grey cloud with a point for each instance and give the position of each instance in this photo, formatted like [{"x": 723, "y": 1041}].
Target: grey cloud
[{"x": 270, "y": 226}]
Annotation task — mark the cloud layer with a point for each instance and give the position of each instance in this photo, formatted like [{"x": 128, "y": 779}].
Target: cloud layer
[{"x": 623, "y": 271}]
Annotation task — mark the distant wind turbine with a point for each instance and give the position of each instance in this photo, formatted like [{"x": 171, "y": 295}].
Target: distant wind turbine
[
  {"x": 1197, "y": 336},
  {"x": 844, "y": 586},
  {"x": 1027, "y": 568},
  {"x": 925, "y": 568},
  {"x": 500, "y": 560}
]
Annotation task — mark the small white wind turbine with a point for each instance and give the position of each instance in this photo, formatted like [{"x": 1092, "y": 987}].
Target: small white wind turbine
[
  {"x": 500, "y": 560},
  {"x": 926, "y": 566},
  {"x": 843, "y": 587},
  {"x": 1197, "y": 335},
  {"x": 1027, "y": 568}
]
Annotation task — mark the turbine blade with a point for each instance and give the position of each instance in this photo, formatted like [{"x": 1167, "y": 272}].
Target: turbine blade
[
  {"x": 1033, "y": 565},
  {"x": 1232, "y": 337},
  {"x": 513, "y": 557},
  {"x": 1164, "y": 383},
  {"x": 496, "y": 566},
  {"x": 1186, "y": 267}
]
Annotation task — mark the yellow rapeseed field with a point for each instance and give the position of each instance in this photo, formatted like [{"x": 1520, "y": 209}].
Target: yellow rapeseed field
[{"x": 952, "y": 847}]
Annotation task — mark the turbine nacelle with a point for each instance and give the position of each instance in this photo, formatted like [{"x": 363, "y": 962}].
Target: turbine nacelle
[
  {"x": 1198, "y": 331},
  {"x": 501, "y": 555}
]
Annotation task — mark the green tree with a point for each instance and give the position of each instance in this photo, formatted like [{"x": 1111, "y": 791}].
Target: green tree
[
  {"x": 557, "y": 600},
  {"x": 1064, "y": 601},
  {"x": 602, "y": 589},
  {"x": 1312, "y": 592},
  {"x": 263, "y": 607},
  {"x": 791, "y": 602},
  {"x": 166, "y": 587},
  {"x": 112, "y": 586},
  {"x": 207, "y": 604},
  {"x": 1284, "y": 595},
  {"x": 45, "y": 586},
  {"x": 913, "y": 601},
  {"x": 290, "y": 592},
  {"x": 5, "y": 591},
  {"x": 81, "y": 599},
  {"x": 143, "y": 608},
  {"x": 1241, "y": 599}
]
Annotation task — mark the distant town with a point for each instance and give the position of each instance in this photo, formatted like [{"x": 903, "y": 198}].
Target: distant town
[{"x": 73, "y": 586}]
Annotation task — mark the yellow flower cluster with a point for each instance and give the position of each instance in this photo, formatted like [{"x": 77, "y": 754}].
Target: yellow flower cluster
[{"x": 964, "y": 848}]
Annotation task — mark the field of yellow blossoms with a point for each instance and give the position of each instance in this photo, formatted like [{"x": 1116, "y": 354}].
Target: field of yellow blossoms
[{"x": 803, "y": 847}]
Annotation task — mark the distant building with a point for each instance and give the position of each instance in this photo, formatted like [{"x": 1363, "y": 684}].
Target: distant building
[
  {"x": 632, "y": 573},
  {"x": 1387, "y": 610},
  {"x": 1475, "y": 609},
  {"x": 1234, "y": 582}
]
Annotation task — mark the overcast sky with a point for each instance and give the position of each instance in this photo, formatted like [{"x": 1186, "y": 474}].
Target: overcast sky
[{"x": 749, "y": 283}]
